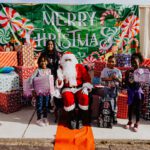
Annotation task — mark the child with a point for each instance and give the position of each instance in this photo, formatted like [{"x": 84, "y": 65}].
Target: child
[
  {"x": 111, "y": 77},
  {"x": 135, "y": 92},
  {"x": 42, "y": 102}
]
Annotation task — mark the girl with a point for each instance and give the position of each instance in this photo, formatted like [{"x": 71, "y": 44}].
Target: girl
[
  {"x": 135, "y": 93},
  {"x": 53, "y": 62},
  {"x": 42, "y": 104}
]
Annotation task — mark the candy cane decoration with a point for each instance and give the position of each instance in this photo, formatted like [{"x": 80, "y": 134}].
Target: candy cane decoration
[
  {"x": 106, "y": 13},
  {"x": 136, "y": 41}
]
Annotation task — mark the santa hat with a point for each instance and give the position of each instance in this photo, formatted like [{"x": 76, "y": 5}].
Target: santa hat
[{"x": 68, "y": 55}]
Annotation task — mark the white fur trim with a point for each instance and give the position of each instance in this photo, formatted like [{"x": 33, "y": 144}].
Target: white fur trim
[
  {"x": 61, "y": 85},
  {"x": 69, "y": 108},
  {"x": 60, "y": 74},
  {"x": 88, "y": 85},
  {"x": 83, "y": 107},
  {"x": 69, "y": 56}
]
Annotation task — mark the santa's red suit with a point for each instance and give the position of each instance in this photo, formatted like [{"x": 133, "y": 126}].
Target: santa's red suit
[{"x": 74, "y": 89}]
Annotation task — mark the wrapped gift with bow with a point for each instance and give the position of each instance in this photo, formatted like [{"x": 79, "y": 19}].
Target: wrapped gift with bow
[
  {"x": 142, "y": 75},
  {"x": 44, "y": 85}
]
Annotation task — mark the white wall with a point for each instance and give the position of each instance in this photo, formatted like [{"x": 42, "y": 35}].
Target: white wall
[{"x": 142, "y": 2}]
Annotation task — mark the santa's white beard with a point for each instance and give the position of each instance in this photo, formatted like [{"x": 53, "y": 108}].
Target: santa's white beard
[{"x": 69, "y": 73}]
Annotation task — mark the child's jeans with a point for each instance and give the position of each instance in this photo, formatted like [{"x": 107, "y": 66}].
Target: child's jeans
[{"x": 42, "y": 106}]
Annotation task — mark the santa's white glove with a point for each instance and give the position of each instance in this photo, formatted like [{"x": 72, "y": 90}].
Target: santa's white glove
[{"x": 85, "y": 91}]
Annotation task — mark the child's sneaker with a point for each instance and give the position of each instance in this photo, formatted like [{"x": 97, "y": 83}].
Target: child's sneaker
[
  {"x": 40, "y": 123},
  {"x": 128, "y": 125},
  {"x": 135, "y": 128},
  {"x": 46, "y": 122}
]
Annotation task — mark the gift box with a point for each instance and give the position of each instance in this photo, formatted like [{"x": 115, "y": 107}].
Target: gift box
[
  {"x": 8, "y": 59},
  {"x": 10, "y": 101},
  {"x": 24, "y": 73},
  {"x": 142, "y": 75},
  {"x": 123, "y": 60},
  {"x": 26, "y": 56},
  {"x": 146, "y": 63},
  {"x": 44, "y": 85},
  {"x": 9, "y": 81},
  {"x": 122, "y": 106},
  {"x": 98, "y": 67}
]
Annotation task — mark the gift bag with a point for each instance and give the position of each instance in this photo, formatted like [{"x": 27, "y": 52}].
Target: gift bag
[
  {"x": 105, "y": 118},
  {"x": 142, "y": 75},
  {"x": 27, "y": 88},
  {"x": 44, "y": 85}
]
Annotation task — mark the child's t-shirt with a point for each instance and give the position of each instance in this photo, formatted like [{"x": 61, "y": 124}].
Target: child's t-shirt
[{"x": 107, "y": 72}]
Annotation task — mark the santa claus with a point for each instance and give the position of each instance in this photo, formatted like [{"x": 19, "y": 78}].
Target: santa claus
[{"x": 75, "y": 82}]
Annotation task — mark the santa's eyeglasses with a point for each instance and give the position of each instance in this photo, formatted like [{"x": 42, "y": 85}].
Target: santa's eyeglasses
[{"x": 67, "y": 59}]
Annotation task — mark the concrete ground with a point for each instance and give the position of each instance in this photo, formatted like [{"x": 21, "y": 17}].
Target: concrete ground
[{"x": 20, "y": 127}]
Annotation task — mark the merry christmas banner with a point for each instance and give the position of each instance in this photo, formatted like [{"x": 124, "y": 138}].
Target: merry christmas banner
[{"x": 89, "y": 31}]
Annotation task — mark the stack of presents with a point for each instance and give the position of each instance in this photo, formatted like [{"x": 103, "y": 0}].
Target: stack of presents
[
  {"x": 16, "y": 66},
  {"x": 124, "y": 64}
]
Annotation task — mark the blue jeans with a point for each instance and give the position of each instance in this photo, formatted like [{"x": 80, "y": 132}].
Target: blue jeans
[{"x": 42, "y": 106}]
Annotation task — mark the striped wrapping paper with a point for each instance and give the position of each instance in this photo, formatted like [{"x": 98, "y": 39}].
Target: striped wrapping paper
[{"x": 8, "y": 59}]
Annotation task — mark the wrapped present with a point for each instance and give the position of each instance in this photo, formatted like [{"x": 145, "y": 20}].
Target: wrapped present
[
  {"x": 8, "y": 59},
  {"x": 142, "y": 75},
  {"x": 26, "y": 56},
  {"x": 98, "y": 67},
  {"x": 146, "y": 63},
  {"x": 24, "y": 73},
  {"x": 44, "y": 85},
  {"x": 145, "y": 106},
  {"x": 122, "y": 106},
  {"x": 123, "y": 60},
  {"x": 10, "y": 101},
  {"x": 9, "y": 81}
]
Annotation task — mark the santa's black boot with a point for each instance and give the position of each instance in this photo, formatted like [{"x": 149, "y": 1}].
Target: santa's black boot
[
  {"x": 72, "y": 119},
  {"x": 85, "y": 118}
]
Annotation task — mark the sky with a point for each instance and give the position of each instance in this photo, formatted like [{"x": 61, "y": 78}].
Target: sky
[{"x": 128, "y": 2}]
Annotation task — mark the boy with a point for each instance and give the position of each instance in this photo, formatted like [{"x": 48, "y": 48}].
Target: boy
[{"x": 111, "y": 77}]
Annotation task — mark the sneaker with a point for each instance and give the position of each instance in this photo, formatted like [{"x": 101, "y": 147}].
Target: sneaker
[
  {"x": 46, "y": 122},
  {"x": 128, "y": 125},
  {"x": 73, "y": 124},
  {"x": 40, "y": 122},
  {"x": 135, "y": 128},
  {"x": 80, "y": 124}
]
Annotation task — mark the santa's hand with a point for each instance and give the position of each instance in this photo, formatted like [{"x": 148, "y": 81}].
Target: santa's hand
[{"x": 85, "y": 91}]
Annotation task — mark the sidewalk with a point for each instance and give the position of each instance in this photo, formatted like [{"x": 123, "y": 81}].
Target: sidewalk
[{"x": 21, "y": 125}]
